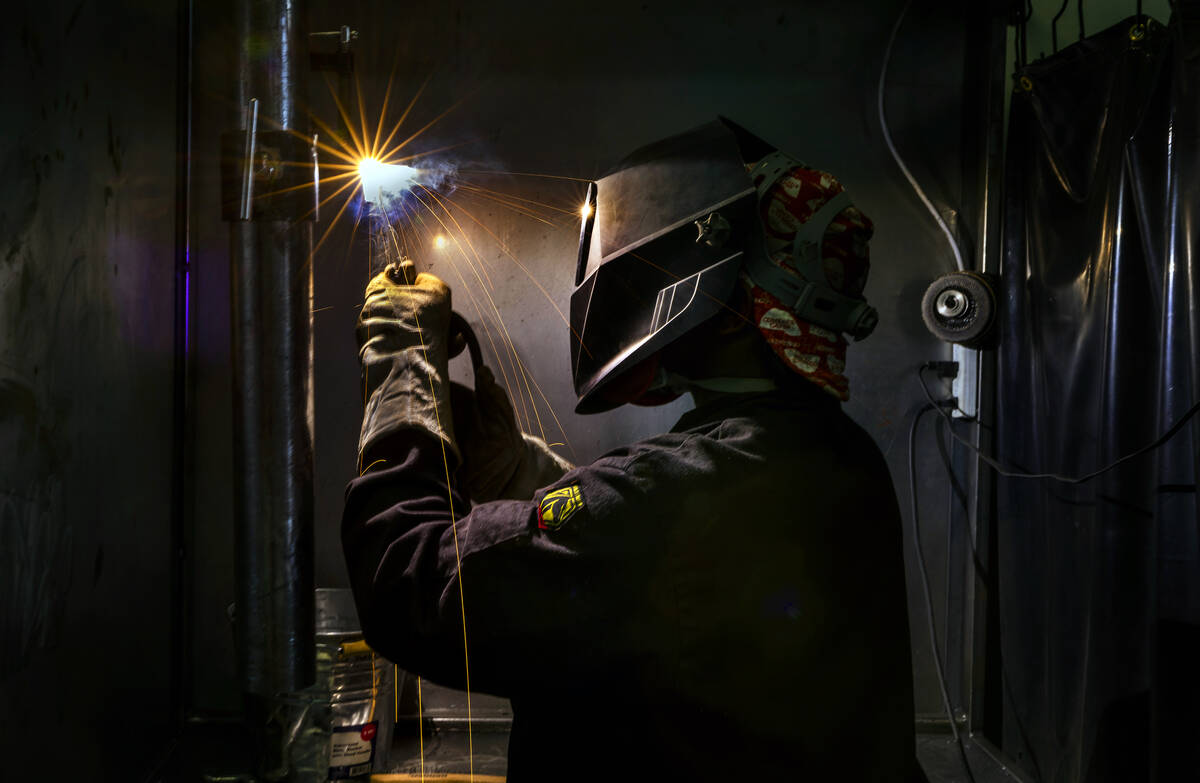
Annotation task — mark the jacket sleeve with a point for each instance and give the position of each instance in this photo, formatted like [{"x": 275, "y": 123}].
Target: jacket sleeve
[{"x": 536, "y": 601}]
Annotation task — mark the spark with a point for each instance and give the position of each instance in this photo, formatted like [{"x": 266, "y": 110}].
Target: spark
[{"x": 440, "y": 242}]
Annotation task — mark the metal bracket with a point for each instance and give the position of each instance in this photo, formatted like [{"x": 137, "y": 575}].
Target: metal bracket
[
  {"x": 268, "y": 175},
  {"x": 340, "y": 61}
]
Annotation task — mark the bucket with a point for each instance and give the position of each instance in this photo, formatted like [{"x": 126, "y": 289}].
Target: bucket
[
  {"x": 358, "y": 685},
  {"x": 340, "y": 728}
]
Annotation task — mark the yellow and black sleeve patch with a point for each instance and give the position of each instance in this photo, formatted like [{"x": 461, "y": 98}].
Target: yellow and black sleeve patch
[{"x": 557, "y": 507}]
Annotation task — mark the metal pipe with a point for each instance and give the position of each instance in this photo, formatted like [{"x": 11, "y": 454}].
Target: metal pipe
[{"x": 271, "y": 287}]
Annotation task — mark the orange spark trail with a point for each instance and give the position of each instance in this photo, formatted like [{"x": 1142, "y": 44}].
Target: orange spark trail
[
  {"x": 457, "y": 556},
  {"x": 499, "y": 318},
  {"x": 525, "y": 174},
  {"x": 483, "y": 317},
  {"x": 522, "y": 267},
  {"x": 472, "y": 186},
  {"x": 523, "y": 211}
]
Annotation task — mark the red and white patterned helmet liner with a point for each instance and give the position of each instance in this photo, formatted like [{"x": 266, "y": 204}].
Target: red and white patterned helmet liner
[{"x": 814, "y": 352}]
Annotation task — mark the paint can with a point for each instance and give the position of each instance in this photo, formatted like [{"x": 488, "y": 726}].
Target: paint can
[{"x": 340, "y": 728}]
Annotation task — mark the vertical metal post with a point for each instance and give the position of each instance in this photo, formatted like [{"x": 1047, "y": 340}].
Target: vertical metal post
[
  {"x": 271, "y": 282},
  {"x": 988, "y": 83}
]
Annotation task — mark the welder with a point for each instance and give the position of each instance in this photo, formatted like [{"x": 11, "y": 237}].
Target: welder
[{"x": 722, "y": 601}]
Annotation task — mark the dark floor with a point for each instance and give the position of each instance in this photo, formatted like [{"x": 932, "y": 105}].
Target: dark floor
[
  {"x": 220, "y": 752},
  {"x": 943, "y": 761}
]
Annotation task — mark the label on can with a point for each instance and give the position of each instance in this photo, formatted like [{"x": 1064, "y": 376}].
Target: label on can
[{"x": 352, "y": 750}]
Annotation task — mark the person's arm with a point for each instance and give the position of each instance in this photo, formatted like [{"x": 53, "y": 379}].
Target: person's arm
[
  {"x": 538, "y": 587},
  {"x": 543, "y": 597},
  {"x": 500, "y": 461}
]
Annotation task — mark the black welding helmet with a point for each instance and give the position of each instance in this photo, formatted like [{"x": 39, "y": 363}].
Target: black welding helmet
[
  {"x": 660, "y": 248},
  {"x": 663, "y": 240}
]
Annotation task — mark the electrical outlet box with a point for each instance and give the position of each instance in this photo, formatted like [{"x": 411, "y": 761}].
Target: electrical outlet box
[{"x": 965, "y": 386}]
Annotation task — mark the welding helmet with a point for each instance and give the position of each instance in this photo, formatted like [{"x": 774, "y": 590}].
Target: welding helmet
[{"x": 663, "y": 242}]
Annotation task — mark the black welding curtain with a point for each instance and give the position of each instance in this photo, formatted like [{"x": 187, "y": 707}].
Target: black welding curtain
[{"x": 1098, "y": 582}]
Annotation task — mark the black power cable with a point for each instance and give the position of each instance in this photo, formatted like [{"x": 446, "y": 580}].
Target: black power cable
[
  {"x": 1014, "y": 473},
  {"x": 923, "y": 571}
]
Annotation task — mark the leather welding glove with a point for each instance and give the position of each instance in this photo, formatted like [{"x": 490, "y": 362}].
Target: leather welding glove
[
  {"x": 403, "y": 336},
  {"x": 499, "y": 461}
]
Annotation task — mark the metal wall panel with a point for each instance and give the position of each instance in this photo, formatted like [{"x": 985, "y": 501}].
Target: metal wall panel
[{"x": 87, "y": 313}]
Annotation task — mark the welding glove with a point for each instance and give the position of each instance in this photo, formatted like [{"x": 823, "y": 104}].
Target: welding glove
[
  {"x": 499, "y": 461},
  {"x": 403, "y": 336}
]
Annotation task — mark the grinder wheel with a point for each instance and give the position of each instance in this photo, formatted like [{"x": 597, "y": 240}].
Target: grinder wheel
[{"x": 961, "y": 308}]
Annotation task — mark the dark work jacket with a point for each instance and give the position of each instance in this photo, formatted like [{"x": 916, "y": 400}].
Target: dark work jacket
[{"x": 722, "y": 601}]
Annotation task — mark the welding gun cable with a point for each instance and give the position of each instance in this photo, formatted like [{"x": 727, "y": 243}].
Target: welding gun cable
[
  {"x": 923, "y": 572},
  {"x": 891, "y": 145},
  {"x": 1008, "y": 472}
]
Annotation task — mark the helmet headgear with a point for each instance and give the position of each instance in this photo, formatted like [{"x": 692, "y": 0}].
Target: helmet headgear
[{"x": 664, "y": 240}]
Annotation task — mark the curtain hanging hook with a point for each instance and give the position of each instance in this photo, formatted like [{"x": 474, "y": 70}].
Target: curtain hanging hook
[{"x": 1054, "y": 25}]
